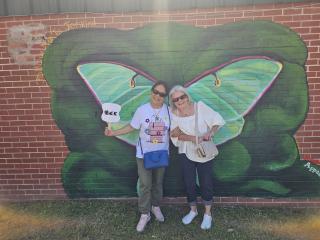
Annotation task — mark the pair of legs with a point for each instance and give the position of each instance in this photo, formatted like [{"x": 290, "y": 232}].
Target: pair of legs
[
  {"x": 151, "y": 192},
  {"x": 151, "y": 187},
  {"x": 204, "y": 170}
]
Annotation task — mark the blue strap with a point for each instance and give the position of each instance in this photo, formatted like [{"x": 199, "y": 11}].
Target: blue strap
[{"x": 169, "y": 118}]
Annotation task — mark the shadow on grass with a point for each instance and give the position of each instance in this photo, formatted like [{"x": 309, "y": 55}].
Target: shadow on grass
[{"x": 105, "y": 219}]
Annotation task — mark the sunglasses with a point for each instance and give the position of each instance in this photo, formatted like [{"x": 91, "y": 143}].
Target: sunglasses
[
  {"x": 161, "y": 94},
  {"x": 179, "y": 98}
]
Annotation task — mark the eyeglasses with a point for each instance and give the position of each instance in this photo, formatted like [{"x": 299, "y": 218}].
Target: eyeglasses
[
  {"x": 161, "y": 94},
  {"x": 179, "y": 98}
]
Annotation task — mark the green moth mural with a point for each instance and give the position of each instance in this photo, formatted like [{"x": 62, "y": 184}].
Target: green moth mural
[{"x": 251, "y": 72}]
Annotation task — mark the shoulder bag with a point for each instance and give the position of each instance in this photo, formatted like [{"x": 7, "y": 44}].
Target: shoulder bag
[{"x": 205, "y": 149}]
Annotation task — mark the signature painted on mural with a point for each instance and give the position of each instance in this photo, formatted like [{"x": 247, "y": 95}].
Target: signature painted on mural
[{"x": 312, "y": 169}]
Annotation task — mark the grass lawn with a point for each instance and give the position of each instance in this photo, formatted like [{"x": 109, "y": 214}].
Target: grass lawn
[{"x": 106, "y": 219}]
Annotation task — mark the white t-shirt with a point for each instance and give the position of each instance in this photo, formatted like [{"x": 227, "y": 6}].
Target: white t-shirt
[
  {"x": 153, "y": 124},
  {"x": 207, "y": 118}
]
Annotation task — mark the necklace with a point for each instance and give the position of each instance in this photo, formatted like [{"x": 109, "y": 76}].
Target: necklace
[{"x": 156, "y": 114}]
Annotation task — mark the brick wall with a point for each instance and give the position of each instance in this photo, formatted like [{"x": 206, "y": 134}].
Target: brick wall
[{"x": 32, "y": 147}]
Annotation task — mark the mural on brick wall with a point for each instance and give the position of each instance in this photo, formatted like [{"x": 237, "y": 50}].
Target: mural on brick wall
[{"x": 251, "y": 72}]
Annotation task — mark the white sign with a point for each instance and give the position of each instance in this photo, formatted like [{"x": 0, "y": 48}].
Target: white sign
[{"x": 110, "y": 112}]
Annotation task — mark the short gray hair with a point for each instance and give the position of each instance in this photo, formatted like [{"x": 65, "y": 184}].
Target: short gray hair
[{"x": 177, "y": 88}]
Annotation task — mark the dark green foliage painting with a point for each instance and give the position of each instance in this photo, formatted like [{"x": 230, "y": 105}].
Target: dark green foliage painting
[{"x": 251, "y": 72}]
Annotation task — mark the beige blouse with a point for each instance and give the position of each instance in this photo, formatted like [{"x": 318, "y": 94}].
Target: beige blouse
[{"x": 207, "y": 118}]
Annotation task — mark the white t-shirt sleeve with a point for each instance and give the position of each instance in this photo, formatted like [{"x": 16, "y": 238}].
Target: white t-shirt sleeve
[
  {"x": 211, "y": 117},
  {"x": 136, "y": 120}
]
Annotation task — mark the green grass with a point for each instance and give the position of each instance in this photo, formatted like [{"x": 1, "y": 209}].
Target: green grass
[{"x": 106, "y": 219}]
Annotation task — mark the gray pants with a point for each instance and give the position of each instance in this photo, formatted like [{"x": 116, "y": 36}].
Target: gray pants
[{"x": 150, "y": 187}]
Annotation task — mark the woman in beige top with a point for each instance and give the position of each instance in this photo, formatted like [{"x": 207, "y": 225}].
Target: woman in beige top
[{"x": 183, "y": 136}]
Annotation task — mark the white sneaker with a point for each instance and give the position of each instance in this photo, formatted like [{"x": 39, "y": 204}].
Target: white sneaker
[
  {"x": 157, "y": 213},
  {"x": 206, "y": 222},
  {"x": 187, "y": 219},
  {"x": 144, "y": 219}
]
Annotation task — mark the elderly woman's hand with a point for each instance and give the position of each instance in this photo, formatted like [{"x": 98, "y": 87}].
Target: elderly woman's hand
[
  {"x": 207, "y": 136},
  {"x": 175, "y": 132}
]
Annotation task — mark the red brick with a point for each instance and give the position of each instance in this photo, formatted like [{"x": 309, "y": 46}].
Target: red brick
[
  {"x": 234, "y": 14},
  {"x": 292, "y": 11},
  {"x": 312, "y": 139},
  {"x": 37, "y": 155},
  {"x": 315, "y": 156},
  {"x": 177, "y": 17},
  {"x": 20, "y": 145},
  {"x": 15, "y": 171},
  {"x": 41, "y": 187},
  {"x": 121, "y": 19},
  {"x": 9, "y": 187},
  {"x": 144, "y": 18},
  {"x": 315, "y": 17},
  {"x": 312, "y": 49},
  {"x": 55, "y": 154},
  {"x": 282, "y": 18},
  {"x": 315, "y": 30},
  {"x": 311, "y": 36},
  {"x": 312, "y": 62},
  {"x": 15, "y": 181},
  {"x": 311, "y": 150},
  {"x": 301, "y": 17},
  {"x": 47, "y": 181},
  {"x": 8, "y": 118},
  {"x": 4, "y": 60},
  {"x": 314, "y": 42},
  {"x": 31, "y": 171},
  {"x": 305, "y": 145},
  {"x": 49, "y": 192},
  {"x": 33, "y": 192},
  {"x": 224, "y": 21},
  {"x": 314, "y": 68},
  {"x": 292, "y": 24},
  {"x": 215, "y": 15},
  {"x": 311, "y": 24},
  {"x": 53, "y": 144},
  {"x": 5, "y": 73},
  {"x": 312, "y": 10},
  {"x": 21, "y": 155},
  {"x": 159, "y": 18},
  {"x": 31, "y": 181},
  {"x": 25, "y": 187},
  {"x": 303, "y": 133},
  {"x": 301, "y": 30},
  {"x": 272, "y": 12}
]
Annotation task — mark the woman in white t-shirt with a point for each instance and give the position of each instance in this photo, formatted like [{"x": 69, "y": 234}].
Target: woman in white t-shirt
[
  {"x": 153, "y": 122},
  {"x": 182, "y": 134}
]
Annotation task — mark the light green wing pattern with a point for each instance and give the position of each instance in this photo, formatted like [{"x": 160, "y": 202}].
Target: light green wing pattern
[
  {"x": 113, "y": 83},
  {"x": 234, "y": 90}
]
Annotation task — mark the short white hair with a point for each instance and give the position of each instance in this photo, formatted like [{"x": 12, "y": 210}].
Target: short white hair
[{"x": 177, "y": 88}]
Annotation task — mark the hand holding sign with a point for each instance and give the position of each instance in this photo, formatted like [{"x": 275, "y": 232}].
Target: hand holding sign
[{"x": 110, "y": 113}]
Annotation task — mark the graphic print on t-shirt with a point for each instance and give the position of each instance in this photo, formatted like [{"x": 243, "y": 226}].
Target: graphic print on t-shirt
[{"x": 156, "y": 130}]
